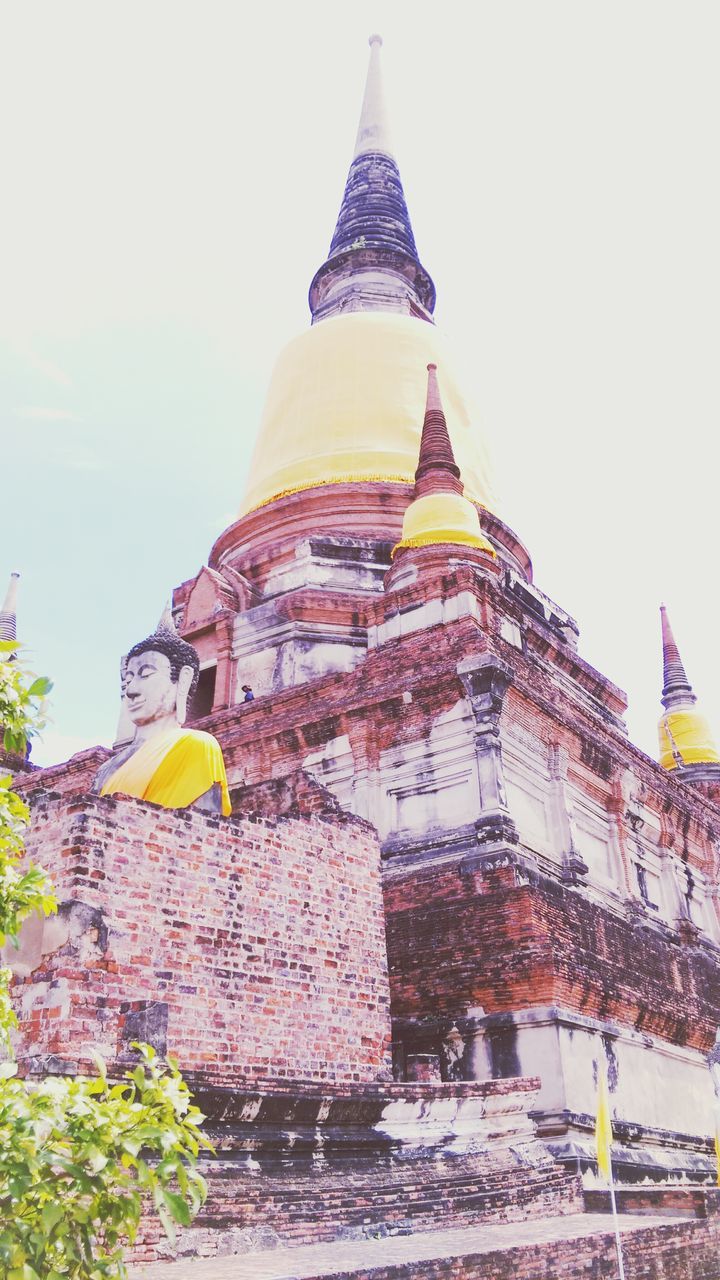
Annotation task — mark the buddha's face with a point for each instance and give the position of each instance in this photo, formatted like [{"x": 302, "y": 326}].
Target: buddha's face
[{"x": 149, "y": 691}]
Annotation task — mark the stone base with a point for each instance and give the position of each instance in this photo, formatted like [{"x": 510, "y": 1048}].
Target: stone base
[
  {"x": 670, "y": 1160},
  {"x": 297, "y": 1166},
  {"x": 677, "y": 1241},
  {"x": 661, "y": 1094}
]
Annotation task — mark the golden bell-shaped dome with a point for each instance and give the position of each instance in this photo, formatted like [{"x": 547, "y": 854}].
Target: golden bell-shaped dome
[
  {"x": 345, "y": 403},
  {"x": 442, "y": 517}
]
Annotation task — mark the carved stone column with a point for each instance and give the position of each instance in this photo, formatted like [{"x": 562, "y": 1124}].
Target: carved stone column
[
  {"x": 621, "y": 792},
  {"x": 486, "y": 679},
  {"x": 574, "y": 869},
  {"x": 223, "y": 650}
]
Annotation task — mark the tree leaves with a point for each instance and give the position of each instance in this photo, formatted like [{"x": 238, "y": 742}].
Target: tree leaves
[
  {"x": 40, "y": 687},
  {"x": 50, "y": 1215},
  {"x": 178, "y": 1207}
]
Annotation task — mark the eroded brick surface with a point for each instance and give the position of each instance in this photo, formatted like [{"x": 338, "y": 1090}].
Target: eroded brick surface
[
  {"x": 455, "y": 942},
  {"x": 246, "y": 947}
]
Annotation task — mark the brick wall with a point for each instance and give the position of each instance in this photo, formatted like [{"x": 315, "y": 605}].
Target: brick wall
[
  {"x": 300, "y": 1206},
  {"x": 72, "y": 777},
  {"x": 665, "y": 1250},
  {"x": 292, "y": 796},
  {"x": 250, "y": 947}
]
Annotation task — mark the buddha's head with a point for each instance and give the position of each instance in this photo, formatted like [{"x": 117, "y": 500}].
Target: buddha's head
[{"x": 159, "y": 676}]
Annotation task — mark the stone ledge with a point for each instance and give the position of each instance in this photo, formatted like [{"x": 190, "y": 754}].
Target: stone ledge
[{"x": 544, "y": 1249}]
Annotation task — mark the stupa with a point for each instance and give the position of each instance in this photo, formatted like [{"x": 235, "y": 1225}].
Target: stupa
[{"x": 451, "y": 889}]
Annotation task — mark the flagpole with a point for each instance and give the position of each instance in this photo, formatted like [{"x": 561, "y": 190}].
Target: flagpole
[
  {"x": 616, "y": 1224},
  {"x": 603, "y": 1147}
]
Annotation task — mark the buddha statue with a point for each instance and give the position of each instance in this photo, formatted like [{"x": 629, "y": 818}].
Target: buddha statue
[{"x": 165, "y": 763}]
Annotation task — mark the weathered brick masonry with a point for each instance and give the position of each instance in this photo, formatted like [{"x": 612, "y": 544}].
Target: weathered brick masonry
[
  {"x": 248, "y": 947},
  {"x": 555, "y": 696},
  {"x": 348, "y": 1162},
  {"x": 539, "y": 933},
  {"x": 574, "y": 1248},
  {"x": 458, "y": 941},
  {"x": 254, "y": 950}
]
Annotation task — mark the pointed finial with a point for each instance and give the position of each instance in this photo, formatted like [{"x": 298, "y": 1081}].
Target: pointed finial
[
  {"x": 437, "y": 470},
  {"x": 166, "y": 625},
  {"x": 432, "y": 399},
  {"x": 676, "y": 686},
  {"x": 8, "y": 613},
  {"x": 373, "y": 133}
]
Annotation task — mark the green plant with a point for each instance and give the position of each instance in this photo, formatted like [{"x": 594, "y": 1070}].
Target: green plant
[
  {"x": 79, "y": 1158},
  {"x": 21, "y": 699},
  {"x": 23, "y": 889}
]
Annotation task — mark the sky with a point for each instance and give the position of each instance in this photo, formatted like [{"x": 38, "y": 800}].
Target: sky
[{"x": 172, "y": 172}]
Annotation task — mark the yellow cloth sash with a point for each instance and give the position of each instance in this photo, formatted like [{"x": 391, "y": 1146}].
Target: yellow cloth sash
[{"x": 173, "y": 769}]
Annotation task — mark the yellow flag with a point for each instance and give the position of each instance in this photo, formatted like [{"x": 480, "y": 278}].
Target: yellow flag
[
  {"x": 603, "y": 1125},
  {"x": 717, "y": 1144}
]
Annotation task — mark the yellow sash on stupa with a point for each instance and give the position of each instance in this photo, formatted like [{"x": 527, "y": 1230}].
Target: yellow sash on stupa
[{"x": 173, "y": 769}]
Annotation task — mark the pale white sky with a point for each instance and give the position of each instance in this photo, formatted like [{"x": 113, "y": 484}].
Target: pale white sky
[{"x": 171, "y": 176}]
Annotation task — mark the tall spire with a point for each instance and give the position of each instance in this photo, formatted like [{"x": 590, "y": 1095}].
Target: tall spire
[
  {"x": 437, "y": 470},
  {"x": 8, "y": 613},
  {"x": 439, "y": 513},
  {"x": 373, "y": 133},
  {"x": 373, "y": 263},
  {"x": 677, "y": 689}
]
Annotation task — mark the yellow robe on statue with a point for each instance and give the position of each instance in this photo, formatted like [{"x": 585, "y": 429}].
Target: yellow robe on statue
[{"x": 173, "y": 769}]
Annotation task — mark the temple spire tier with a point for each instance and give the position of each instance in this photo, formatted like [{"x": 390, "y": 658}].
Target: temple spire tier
[
  {"x": 437, "y": 470},
  {"x": 676, "y": 686},
  {"x": 373, "y": 263},
  {"x": 439, "y": 513},
  {"x": 686, "y": 742},
  {"x": 8, "y": 613}
]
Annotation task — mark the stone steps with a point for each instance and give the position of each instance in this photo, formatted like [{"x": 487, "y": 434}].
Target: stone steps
[
  {"x": 329, "y": 1206},
  {"x": 305, "y": 1166}
]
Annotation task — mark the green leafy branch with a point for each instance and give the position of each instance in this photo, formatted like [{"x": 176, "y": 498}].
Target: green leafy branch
[
  {"x": 77, "y": 1159},
  {"x": 21, "y": 700}
]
